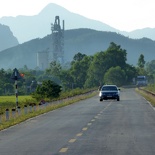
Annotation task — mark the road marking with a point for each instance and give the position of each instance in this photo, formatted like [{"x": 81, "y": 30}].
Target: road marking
[
  {"x": 89, "y": 124},
  {"x": 93, "y": 120},
  {"x": 72, "y": 140},
  {"x": 98, "y": 114},
  {"x": 84, "y": 129},
  {"x": 79, "y": 134},
  {"x": 63, "y": 150},
  {"x": 96, "y": 117}
]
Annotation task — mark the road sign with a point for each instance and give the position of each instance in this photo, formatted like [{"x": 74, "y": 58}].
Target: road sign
[{"x": 15, "y": 75}]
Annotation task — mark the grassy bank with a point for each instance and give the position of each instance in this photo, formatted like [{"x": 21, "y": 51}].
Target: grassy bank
[
  {"x": 22, "y": 117},
  {"x": 147, "y": 96},
  {"x": 8, "y": 102}
]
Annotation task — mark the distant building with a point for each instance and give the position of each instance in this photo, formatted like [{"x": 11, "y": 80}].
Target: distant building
[{"x": 42, "y": 60}]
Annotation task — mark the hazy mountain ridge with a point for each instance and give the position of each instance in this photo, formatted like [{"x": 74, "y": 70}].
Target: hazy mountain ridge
[
  {"x": 141, "y": 33},
  {"x": 7, "y": 38},
  {"x": 86, "y": 41},
  {"x": 26, "y": 28}
]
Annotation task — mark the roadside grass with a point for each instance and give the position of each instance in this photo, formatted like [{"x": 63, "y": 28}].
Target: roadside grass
[
  {"x": 147, "y": 96},
  {"x": 7, "y": 102},
  {"x": 11, "y": 100},
  {"x": 23, "y": 117}
]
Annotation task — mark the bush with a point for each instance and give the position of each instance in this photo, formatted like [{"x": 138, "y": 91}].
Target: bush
[{"x": 48, "y": 89}]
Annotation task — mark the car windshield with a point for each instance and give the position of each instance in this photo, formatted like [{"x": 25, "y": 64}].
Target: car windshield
[{"x": 109, "y": 88}]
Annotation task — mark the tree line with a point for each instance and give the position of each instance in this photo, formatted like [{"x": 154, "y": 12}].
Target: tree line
[{"x": 104, "y": 67}]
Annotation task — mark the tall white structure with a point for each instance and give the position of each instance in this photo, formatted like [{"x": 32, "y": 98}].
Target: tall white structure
[
  {"x": 42, "y": 60},
  {"x": 58, "y": 40}
]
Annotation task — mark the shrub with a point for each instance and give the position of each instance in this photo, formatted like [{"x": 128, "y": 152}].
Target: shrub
[{"x": 48, "y": 89}]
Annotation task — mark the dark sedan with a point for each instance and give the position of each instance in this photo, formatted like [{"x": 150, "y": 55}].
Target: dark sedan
[{"x": 109, "y": 92}]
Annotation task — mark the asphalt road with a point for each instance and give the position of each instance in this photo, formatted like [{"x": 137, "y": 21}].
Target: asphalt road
[{"x": 88, "y": 127}]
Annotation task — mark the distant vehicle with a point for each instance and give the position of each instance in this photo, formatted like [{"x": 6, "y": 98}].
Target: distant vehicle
[
  {"x": 109, "y": 92},
  {"x": 141, "y": 80}
]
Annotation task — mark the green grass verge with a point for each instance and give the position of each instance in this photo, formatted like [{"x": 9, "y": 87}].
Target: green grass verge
[
  {"x": 50, "y": 107},
  {"x": 147, "y": 96}
]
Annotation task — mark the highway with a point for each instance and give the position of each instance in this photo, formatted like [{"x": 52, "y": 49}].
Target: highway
[{"x": 88, "y": 127}]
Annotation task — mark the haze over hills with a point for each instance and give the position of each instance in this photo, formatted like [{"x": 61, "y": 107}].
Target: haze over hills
[
  {"x": 85, "y": 41},
  {"x": 81, "y": 35},
  {"x": 7, "y": 39},
  {"x": 26, "y": 28}
]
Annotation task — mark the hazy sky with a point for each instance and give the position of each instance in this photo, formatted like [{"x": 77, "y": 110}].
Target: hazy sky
[{"x": 125, "y": 15}]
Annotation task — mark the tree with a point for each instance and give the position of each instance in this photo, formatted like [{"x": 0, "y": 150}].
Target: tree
[
  {"x": 115, "y": 56},
  {"x": 150, "y": 67},
  {"x": 54, "y": 69},
  {"x": 48, "y": 89},
  {"x": 115, "y": 75},
  {"x": 78, "y": 57},
  {"x": 96, "y": 70},
  {"x": 66, "y": 79},
  {"x": 131, "y": 73},
  {"x": 102, "y": 61},
  {"x": 79, "y": 71},
  {"x": 141, "y": 61},
  {"x": 8, "y": 87}
]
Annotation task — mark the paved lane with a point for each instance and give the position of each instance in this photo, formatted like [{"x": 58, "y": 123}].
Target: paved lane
[
  {"x": 88, "y": 127},
  {"x": 123, "y": 128}
]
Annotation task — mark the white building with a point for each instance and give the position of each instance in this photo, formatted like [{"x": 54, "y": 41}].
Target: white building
[{"x": 42, "y": 60}]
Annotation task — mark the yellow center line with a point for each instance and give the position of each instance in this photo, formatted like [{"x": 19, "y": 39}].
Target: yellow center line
[
  {"x": 63, "y": 150},
  {"x": 84, "y": 129},
  {"x": 79, "y": 134},
  {"x": 89, "y": 124},
  {"x": 72, "y": 140}
]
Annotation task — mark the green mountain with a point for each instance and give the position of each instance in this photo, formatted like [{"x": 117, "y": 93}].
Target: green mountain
[{"x": 86, "y": 41}]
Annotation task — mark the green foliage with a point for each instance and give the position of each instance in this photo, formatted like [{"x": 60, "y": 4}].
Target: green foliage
[
  {"x": 115, "y": 75},
  {"x": 150, "y": 67},
  {"x": 131, "y": 73},
  {"x": 115, "y": 56},
  {"x": 79, "y": 71},
  {"x": 141, "y": 61},
  {"x": 78, "y": 57},
  {"x": 83, "y": 72},
  {"x": 54, "y": 69},
  {"x": 96, "y": 70},
  {"x": 102, "y": 61},
  {"x": 48, "y": 89}
]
